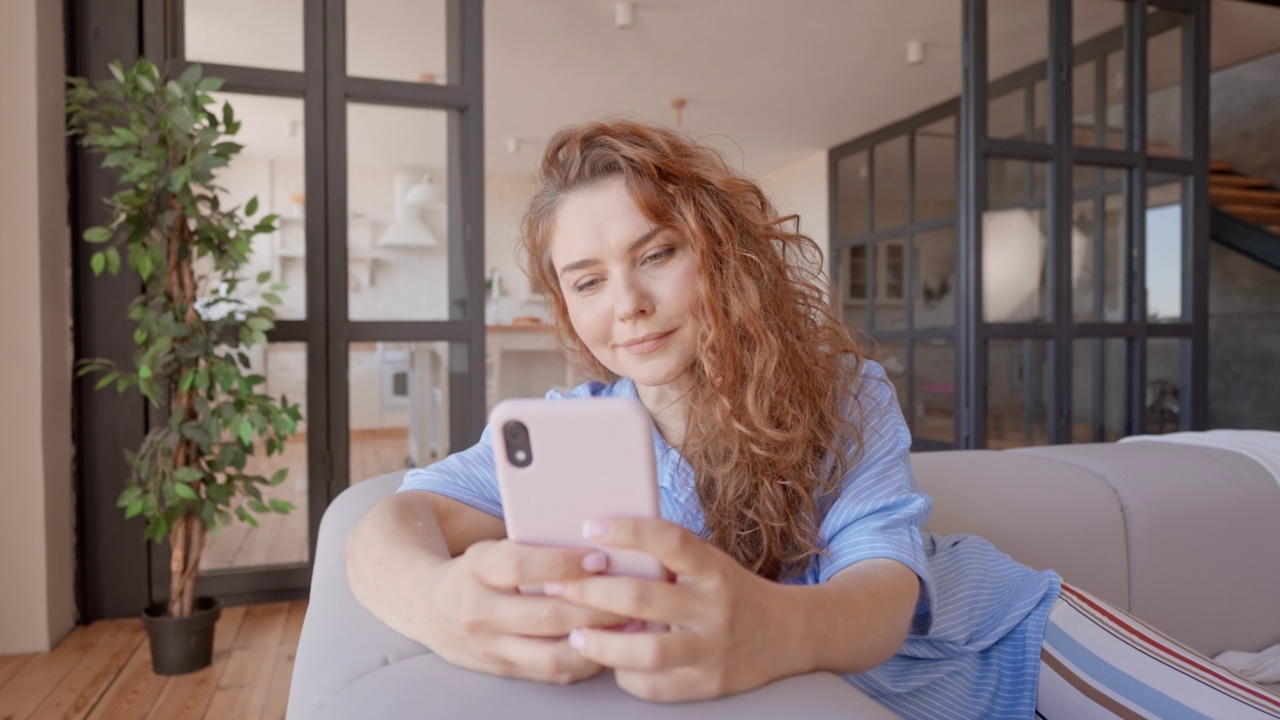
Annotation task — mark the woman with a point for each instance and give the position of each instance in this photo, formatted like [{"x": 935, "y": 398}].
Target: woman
[{"x": 791, "y": 520}]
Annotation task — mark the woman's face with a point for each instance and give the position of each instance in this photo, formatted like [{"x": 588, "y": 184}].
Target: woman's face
[{"x": 630, "y": 287}]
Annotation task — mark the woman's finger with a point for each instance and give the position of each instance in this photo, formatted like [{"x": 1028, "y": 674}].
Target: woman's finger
[
  {"x": 546, "y": 617},
  {"x": 549, "y": 661},
  {"x": 638, "y": 651},
  {"x": 679, "y": 550},
  {"x": 630, "y": 597},
  {"x": 505, "y": 565}
]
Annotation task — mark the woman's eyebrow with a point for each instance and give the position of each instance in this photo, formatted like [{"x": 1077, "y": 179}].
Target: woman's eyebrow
[{"x": 587, "y": 262}]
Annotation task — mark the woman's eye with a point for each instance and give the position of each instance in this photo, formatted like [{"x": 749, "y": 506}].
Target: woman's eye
[
  {"x": 654, "y": 258},
  {"x": 586, "y": 285}
]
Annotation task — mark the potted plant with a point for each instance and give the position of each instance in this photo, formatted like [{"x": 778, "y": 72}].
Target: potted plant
[{"x": 165, "y": 139}]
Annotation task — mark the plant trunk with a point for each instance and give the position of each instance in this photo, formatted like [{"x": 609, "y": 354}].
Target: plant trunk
[{"x": 186, "y": 538}]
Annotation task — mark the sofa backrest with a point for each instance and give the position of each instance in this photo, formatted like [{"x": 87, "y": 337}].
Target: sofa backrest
[{"x": 1185, "y": 538}]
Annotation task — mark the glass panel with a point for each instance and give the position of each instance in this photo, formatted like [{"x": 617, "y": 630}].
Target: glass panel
[
  {"x": 1007, "y": 116},
  {"x": 1014, "y": 253},
  {"x": 396, "y": 40},
  {"x": 935, "y": 279},
  {"x": 398, "y": 406},
  {"x": 271, "y": 168},
  {"x": 1165, "y": 389},
  {"x": 1017, "y": 393},
  {"x": 854, "y": 286},
  {"x": 242, "y": 32},
  {"x": 1165, "y": 247},
  {"x": 853, "y": 193},
  {"x": 936, "y": 171},
  {"x": 279, "y": 539},
  {"x": 1098, "y": 390},
  {"x": 1165, "y": 86},
  {"x": 1117, "y": 84},
  {"x": 891, "y": 183},
  {"x": 524, "y": 360},
  {"x": 1091, "y": 19},
  {"x": 892, "y": 355},
  {"x": 1040, "y": 110},
  {"x": 935, "y": 383},
  {"x": 1018, "y": 39},
  {"x": 1098, "y": 259},
  {"x": 890, "y": 281},
  {"x": 397, "y": 235}
]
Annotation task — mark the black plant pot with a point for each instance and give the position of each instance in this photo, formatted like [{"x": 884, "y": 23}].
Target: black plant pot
[{"x": 181, "y": 645}]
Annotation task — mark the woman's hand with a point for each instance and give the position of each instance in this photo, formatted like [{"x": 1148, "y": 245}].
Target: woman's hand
[
  {"x": 475, "y": 618},
  {"x": 730, "y": 630}
]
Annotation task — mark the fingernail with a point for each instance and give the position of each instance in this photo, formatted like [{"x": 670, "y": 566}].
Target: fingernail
[
  {"x": 595, "y": 562},
  {"x": 553, "y": 589},
  {"x": 577, "y": 640},
  {"x": 595, "y": 529}
]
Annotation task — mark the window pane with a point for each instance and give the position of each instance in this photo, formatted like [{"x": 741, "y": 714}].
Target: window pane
[
  {"x": 1165, "y": 389},
  {"x": 1014, "y": 255},
  {"x": 397, "y": 234},
  {"x": 396, "y": 40},
  {"x": 279, "y": 539},
  {"x": 1165, "y": 84},
  {"x": 398, "y": 406},
  {"x": 1017, "y": 393},
  {"x": 853, "y": 187},
  {"x": 1098, "y": 259},
  {"x": 935, "y": 384},
  {"x": 1091, "y": 19},
  {"x": 890, "y": 282},
  {"x": 891, "y": 184},
  {"x": 1165, "y": 247},
  {"x": 1098, "y": 390},
  {"x": 853, "y": 286},
  {"x": 242, "y": 32},
  {"x": 935, "y": 279},
  {"x": 523, "y": 361},
  {"x": 1017, "y": 38},
  {"x": 936, "y": 171},
  {"x": 271, "y": 168}
]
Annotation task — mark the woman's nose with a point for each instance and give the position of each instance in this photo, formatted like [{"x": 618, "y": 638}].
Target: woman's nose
[{"x": 632, "y": 300}]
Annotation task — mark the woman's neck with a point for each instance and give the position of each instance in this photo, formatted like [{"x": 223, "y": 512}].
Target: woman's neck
[{"x": 666, "y": 405}]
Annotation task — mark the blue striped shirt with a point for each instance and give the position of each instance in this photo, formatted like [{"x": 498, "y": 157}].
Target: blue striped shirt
[{"x": 974, "y": 646}]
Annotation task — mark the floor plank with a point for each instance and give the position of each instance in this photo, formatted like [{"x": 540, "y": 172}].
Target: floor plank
[
  {"x": 293, "y": 622},
  {"x": 263, "y": 625},
  {"x": 41, "y": 674},
  {"x": 134, "y": 692},
  {"x": 81, "y": 689},
  {"x": 278, "y": 686},
  {"x": 11, "y": 665},
  {"x": 242, "y": 688}
]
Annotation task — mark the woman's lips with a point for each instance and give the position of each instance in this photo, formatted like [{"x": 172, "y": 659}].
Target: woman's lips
[{"x": 646, "y": 344}]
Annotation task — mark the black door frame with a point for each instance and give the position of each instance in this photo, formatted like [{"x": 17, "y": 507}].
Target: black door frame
[{"x": 116, "y": 574}]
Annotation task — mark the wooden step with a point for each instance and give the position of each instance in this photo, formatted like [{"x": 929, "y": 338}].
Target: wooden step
[
  {"x": 1220, "y": 167},
  {"x": 1237, "y": 195},
  {"x": 1237, "y": 181},
  {"x": 1253, "y": 213}
]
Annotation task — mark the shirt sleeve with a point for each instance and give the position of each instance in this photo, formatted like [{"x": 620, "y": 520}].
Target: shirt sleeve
[
  {"x": 470, "y": 476},
  {"x": 881, "y": 511}
]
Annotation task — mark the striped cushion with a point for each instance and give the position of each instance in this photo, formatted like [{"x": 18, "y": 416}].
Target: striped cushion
[{"x": 1100, "y": 662}]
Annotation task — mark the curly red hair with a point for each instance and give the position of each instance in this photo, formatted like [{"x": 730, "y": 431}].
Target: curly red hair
[{"x": 768, "y": 432}]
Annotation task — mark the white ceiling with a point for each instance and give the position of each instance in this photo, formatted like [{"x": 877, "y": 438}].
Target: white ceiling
[{"x": 767, "y": 81}]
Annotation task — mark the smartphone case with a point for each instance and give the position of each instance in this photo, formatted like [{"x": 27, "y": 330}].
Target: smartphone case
[{"x": 591, "y": 459}]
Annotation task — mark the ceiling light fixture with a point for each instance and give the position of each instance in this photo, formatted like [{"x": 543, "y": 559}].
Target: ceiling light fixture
[
  {"x": 678, "y": 104},
  {"x": 624, "y": 15}
]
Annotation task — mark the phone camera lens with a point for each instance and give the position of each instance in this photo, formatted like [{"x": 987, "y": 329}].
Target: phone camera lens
[{"x": 519, "y": 450}]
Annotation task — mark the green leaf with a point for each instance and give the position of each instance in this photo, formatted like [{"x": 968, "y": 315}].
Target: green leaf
[
  {"x": 130, "y": 494},
  {"x": 117, "y": 71},
  {"x": 105, "y": 381},
  {"x": 113, "y": 261},
  {"x": 187, "y": 474},
  {"x": 264, "y": 276},
  {"x": 98, "y": 262},
  {"x": 258, "y": 507},
  {"x": 125, "y": 134},
  {"x": 97, "y": 234},
  {"x": 139, "y": 336},
  {"x": 210, "y": 84},
  {"x": 144, "y": 267},
  {"x": 282, "y": 506},
  {"x": 185, "y": 492},
  {"x": 133, "y": 509},
  {"x": 144, "y": 371},
  {"x": 251, "y": 208},
  {"x": 279, "y": 476},
  {"x": 146, "y": 84},
  {"x": 180, "y": 178},
  {"x": 272, "y": 298},
  {"x": 244, "y": 430},
  {"x": 191, "y": 75},
  {"x": 259, "y": 323}
]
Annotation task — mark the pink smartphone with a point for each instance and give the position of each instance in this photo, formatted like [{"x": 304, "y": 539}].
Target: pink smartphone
[{"x": 563, "y": 462}]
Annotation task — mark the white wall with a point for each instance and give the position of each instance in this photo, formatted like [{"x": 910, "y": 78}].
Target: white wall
[
  {"x": 801, "y": 188},
  {"x": 37, "y": 562}
]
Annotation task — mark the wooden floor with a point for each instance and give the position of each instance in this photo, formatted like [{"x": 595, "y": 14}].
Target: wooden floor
[
  {"x": 282, "y": 539},
  {"x": 103, "y": 672}
]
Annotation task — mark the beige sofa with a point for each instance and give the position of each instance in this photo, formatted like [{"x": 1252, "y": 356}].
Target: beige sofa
[{"x": 1183, "y": 537}]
